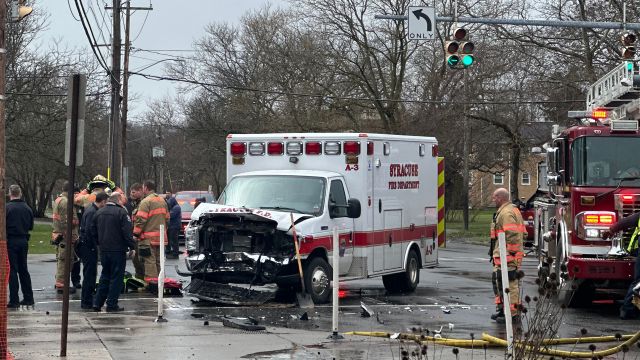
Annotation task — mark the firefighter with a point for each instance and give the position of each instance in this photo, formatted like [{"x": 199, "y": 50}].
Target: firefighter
[
  {"x": 152, "y": 212},
  {"x": 98, "y": 184},
  {"x": 135, "y": 196},
  {"x": 58, "y": 233},
  {"x": 628, "y": 310},
  {"x": 507, "y": 219}
]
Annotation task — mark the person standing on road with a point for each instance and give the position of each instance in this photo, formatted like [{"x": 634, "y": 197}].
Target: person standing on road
[
  {"x": 19, "y": 221},
  {"x": 175, "y": 221},
  {"x": 135, "y": 196},
  {"x": 509, "y": 221},
  {"x": 151, "y": 213},
  {"x": 88, "y": 251},
  {"x": 628, "y": 310},
  {"x": 58, "y": 233},
  {"x": 113, "y": 228}
]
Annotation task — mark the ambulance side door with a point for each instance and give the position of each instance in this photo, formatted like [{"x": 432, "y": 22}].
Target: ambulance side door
[{"x": 339, "y": 219}]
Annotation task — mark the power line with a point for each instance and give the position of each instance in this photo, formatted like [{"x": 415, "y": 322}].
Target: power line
[
  {"x": 351, "y": 98},
  {"x": 70, "y": 10},
  {"x": 144, "y": 22},
  {"x": 95, "y": 17},
  {"x": 89, "y": 35}
]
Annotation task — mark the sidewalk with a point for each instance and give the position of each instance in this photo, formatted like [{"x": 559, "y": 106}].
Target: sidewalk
[{"x": 35, "y": 335}]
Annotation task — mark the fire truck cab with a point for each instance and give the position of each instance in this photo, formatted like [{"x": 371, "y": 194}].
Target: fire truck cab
[
  {"x": 593, "y": 179},
  {"x": 379, "y": 191}
]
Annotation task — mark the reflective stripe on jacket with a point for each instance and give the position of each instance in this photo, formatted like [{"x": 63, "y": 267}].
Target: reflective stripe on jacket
[
  {"x": 509, "y": 220},
  {"x": 633, "y": 244},
  {"x": 151, "y": 213}
]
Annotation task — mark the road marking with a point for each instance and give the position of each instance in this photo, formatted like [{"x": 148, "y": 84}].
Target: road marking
[{"x": 463, "y": 259}]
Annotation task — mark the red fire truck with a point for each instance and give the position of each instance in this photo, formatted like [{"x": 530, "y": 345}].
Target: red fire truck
[{"x": 593, "y": 179}]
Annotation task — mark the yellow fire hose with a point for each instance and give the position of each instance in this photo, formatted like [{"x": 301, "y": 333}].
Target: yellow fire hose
[
  {"x": 491, "y": 341},
  {"x": 572, "y": 354}
]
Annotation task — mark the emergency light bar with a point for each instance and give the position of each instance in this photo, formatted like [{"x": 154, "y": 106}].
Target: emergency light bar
[
  {"x": 256, "y": 148},
  {"x": 275, "y": 148},
  {"x": 624, "y": 125},
  {"x": 294, "y": 148},
  {"x": 313, "y": 148}
]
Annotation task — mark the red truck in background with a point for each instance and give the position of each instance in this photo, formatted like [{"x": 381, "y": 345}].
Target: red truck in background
[
  {"x": 593, "y": 180},
  {"x": 188, "y": 201}
]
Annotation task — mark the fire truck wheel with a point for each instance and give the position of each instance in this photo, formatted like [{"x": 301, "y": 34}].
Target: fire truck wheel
[
  {"x": 317, "y": 280},
  {"x": 406, "y": 281}
]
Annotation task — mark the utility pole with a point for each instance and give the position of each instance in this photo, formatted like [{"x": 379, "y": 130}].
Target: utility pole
[
  {"x": 4, "y": 269},
  {"x": 125, "y": 90},
  {"x": 465, "y": 151},
  {"x": 116, "y": 151}
]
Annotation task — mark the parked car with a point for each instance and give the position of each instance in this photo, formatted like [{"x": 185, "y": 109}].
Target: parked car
[{"x": 188, "y": 200}]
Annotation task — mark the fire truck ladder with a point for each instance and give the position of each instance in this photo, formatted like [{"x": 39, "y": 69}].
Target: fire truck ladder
[{"x": 618, "y": 87}]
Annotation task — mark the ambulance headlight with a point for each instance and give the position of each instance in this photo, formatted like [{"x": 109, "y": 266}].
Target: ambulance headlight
[{"x": 191, "y": 238}]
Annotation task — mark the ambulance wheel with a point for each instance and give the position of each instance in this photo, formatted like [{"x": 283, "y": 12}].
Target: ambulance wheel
[
  {"x": 406, "y": 281},
  {"x": 317, "y": 280}
]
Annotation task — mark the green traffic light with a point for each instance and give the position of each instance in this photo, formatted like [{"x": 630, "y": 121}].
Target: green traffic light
[
  {"x": 453, "y": 60},
  {"x": 629, "y": 66},
  {"x": 467, "y": 60}
]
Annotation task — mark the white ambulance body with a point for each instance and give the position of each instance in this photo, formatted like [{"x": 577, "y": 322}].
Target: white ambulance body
[{"x": 326, "y": 180}]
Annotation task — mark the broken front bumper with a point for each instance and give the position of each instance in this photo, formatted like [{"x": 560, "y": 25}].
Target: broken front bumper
[{"x": 239, "y": 267}]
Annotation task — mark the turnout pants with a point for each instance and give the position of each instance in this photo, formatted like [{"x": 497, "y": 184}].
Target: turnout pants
[
  {"x": 152, "y": 262},
  {"x": 19, "y": 273},
  {"x": 138, "y": 263},
  {"x": 514, "y": 288},
  {"x": 61, "y": 254}
]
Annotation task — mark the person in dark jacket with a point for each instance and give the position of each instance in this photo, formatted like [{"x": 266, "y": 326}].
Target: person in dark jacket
[
  {"x": 88, "y": 251},
  {"x": 19, "y": 221},
  {"x": 175, "y": 221},
  {"x": 114, "y": 232}
]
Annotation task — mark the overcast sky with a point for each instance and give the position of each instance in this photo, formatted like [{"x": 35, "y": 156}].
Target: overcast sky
[{"x": 172, "y": 25}]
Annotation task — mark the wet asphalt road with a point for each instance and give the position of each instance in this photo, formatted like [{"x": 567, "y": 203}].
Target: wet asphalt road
[{"x": 461, "y": 282}]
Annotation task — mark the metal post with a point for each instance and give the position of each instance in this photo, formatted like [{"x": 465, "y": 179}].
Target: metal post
[
  {"x": 160, "y": 317},
  {"x": 68, "y": 243},
  {"x": 502, "y": 243},
  {"x": 525, "y": 22},
  {"x": 335, "y": 286},
  {"x": 4, "y": 269}
]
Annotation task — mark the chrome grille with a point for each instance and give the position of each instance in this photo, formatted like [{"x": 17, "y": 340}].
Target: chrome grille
[{"x": 627, "y": 210}]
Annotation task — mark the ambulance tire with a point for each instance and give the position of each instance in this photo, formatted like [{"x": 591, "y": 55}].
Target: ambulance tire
[
  {"x": 406, "y": 281},
  {"x": 317, "y": 280}
]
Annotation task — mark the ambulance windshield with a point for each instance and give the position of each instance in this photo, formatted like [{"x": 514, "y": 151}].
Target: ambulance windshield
[
  {"x": 299, "y": 194},
  {"x": 605, "y": 161}
]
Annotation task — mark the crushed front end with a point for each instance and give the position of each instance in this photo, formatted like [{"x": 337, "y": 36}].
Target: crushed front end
[{"x": 239, "y": 247}]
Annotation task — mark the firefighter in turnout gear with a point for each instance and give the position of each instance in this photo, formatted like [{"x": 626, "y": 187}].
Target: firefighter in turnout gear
[
  {"x": 508, "y": 220},
  {"x": 98, "y": 184},
  {"x": 628, "y": 310},
  {"x": 58, "y": 233},
  {"x": 136, "y": 195},
  {"x": 152, "y": 212}
]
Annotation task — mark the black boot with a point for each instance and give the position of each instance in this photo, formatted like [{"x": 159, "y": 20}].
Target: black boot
[{"x": 498, "y": 314}]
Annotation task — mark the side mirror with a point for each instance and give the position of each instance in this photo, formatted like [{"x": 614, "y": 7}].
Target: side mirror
[{"x": 354, "y": 209}]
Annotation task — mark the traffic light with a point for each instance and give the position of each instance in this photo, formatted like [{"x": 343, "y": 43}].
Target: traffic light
[
  {"x": 628, "y": 41},
  {"x": 18, "y": 10},
  {"x": 459, "y": 50},
  {"x": 451, "y": 48}
]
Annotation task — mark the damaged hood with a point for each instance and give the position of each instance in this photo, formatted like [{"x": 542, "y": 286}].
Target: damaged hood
[{"x": 281, "y": 219}]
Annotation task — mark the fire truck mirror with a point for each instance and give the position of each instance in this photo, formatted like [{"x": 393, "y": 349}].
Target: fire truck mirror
[
  {"x": 354, "y": 209},
  {"x": 552, "y": 164}
]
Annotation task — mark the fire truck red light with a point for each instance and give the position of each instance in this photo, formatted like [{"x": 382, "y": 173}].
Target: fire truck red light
[
  {"x": 342, "y": 294},
  {"x": 313, "y": 148},
  {"x": 238, "y": 148},
  {"x": 351, "y": 148},
  {"x": 627, "y": 198},
  {"x": 599, "y": 114},
  {"x": 275, "y": 148}
]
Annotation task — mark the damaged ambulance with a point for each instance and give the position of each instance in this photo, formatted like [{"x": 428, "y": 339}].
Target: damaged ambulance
[{"x": 379, "y": 191}]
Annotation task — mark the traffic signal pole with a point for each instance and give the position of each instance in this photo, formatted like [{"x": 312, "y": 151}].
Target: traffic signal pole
[{"x": 526, "y": 22}]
